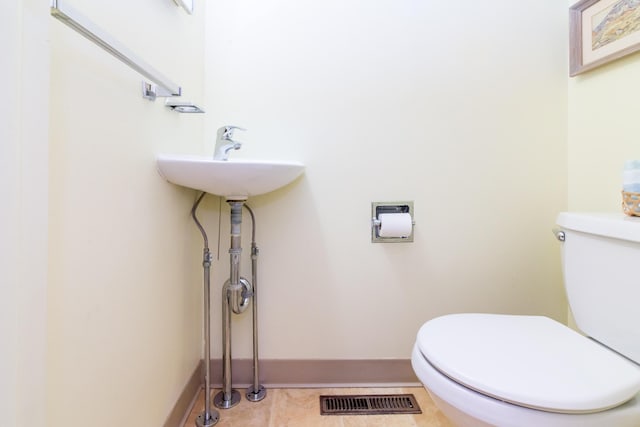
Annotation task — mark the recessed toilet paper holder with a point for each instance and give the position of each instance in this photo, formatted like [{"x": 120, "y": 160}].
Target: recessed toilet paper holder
[{"x": 378, "y": 208}]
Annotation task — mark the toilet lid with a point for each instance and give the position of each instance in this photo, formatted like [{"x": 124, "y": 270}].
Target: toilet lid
[{"x": 530, "y": 361}]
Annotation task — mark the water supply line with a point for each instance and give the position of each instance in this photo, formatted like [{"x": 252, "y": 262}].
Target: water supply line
[
  {"x": 256, "y": 392},
  {"x": 209, "y": 417}
]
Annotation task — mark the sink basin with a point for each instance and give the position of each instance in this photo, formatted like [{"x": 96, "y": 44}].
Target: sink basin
[{"x": 235, "y": 179}]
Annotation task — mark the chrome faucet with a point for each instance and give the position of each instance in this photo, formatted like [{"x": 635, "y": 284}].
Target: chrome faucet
[{"x": 224, "y": 143}]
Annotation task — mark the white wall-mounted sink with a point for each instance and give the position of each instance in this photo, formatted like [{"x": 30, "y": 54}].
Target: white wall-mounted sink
[{"x": 235, "y": 179}]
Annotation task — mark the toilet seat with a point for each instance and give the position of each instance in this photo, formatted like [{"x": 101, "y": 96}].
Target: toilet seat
[{"x": 530, "y": 361}]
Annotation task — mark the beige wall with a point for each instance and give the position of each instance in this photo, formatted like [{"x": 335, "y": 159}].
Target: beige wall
[
  {"x": 124, "y": 304},
  {"x": 23, "y": 212},
  {"x": 10, "y": 32},
  {"x": 460, "y": 107},
  {"x": 382, "y": 102},
  {"x": 603, "y": 133}
]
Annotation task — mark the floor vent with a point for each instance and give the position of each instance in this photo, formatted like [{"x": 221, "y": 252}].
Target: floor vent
[{"x": 369, "y": 404}]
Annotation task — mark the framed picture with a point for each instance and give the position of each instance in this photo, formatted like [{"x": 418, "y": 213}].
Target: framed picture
[
  {"x": 602, "y": 31},
  {"x": 187, "y": 5}
]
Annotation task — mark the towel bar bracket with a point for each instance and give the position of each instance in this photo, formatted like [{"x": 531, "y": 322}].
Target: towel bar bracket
[{"x": 151, "y": 91}]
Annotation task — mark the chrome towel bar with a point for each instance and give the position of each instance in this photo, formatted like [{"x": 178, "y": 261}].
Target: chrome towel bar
[{"x": 97, "y": 35}]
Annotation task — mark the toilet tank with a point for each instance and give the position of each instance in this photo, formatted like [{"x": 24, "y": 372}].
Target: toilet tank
[{"x": 601, "y": 261}]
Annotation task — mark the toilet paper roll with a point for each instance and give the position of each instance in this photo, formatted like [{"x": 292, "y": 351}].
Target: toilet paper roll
[{"x": 395, "y": 225}]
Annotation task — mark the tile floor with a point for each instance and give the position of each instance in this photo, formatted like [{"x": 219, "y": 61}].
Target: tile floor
[{"x": 300, "y": 407}]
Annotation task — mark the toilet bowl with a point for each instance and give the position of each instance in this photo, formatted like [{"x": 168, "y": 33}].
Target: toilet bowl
[
  {"x": 510, "y": 392},
  {"x": 531, "y": 371}
]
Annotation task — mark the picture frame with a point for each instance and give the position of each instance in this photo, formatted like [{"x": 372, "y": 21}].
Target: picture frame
[
  {"x": 601, "y": 31},
  {"x": 187, "y": 5}
]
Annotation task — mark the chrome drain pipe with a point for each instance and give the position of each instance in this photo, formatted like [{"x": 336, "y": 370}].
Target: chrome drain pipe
[
  {"x": 209, "y": 417},
  {"x": 231, "y": 301},
  {"x": 237, "y": 293}
]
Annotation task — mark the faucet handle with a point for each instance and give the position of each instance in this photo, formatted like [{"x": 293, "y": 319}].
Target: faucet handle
[{"x": 226, "y": 132}]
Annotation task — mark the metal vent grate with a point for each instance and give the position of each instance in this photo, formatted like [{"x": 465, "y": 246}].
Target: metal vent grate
[{"x": 369, "y": 404}]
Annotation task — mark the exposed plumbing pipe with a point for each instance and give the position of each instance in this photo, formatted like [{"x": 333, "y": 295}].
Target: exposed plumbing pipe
[
  {"x": 239, "y": 287},
  {"x": 257, "y": 392},
  {"x": 207, "y": 418},
  {"x": 232, "y": 299},
  {"x": 236, "y": 295}
]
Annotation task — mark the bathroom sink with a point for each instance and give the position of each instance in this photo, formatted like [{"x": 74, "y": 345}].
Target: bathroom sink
[{"x": 234, "y": 179}]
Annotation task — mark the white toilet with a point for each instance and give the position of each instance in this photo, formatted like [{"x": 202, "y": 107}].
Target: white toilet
[{"x": 531, "y": 371}]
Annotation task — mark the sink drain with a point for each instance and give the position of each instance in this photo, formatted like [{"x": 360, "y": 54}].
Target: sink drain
[{"x": 369, "y": 404}]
